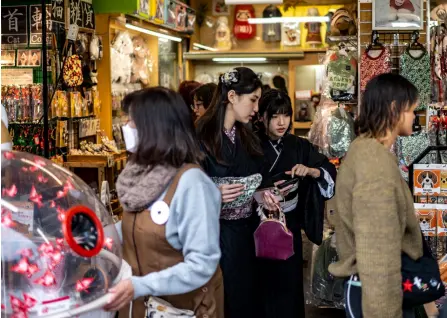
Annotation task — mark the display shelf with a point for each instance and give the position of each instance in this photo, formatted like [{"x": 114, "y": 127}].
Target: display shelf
[{"x": 302, "y": 125}]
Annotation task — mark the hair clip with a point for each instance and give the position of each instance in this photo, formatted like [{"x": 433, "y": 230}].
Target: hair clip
[{"x": 229, "y": 77}]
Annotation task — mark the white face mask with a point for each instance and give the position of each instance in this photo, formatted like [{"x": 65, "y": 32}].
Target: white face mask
[{"x": 130, "y": 138}]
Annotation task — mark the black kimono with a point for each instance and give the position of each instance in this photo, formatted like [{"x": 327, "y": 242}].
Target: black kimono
[
  {"x": 238, "y": 261},
  {"x": 282, "y": 281}
]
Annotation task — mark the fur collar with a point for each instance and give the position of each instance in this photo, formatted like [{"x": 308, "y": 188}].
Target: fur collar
[{"x": 139, "y": 186}]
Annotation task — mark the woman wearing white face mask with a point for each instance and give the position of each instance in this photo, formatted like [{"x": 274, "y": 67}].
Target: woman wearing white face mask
[{"x": 170, "y": 227}]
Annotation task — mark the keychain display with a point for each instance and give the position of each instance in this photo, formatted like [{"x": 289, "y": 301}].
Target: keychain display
[
  {"x": 30, "y": 138},
  {"x": 23, "y": 103}
]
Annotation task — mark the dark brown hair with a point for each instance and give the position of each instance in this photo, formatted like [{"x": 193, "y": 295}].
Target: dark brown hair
[
  {"x": 385, "y": 98},
  {"x": 185, "y": 89},
  {"x": 210, "y": 126},
  {"x": 205, "y": 93},
  {"x": 165, "y": 131}
]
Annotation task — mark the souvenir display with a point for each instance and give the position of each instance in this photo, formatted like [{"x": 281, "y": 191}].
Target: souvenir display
[
  {"x": 191, "y": 17},
  {"x": 223, "y": 35},
  {"x": 158, "y": 10},
  {"x": 121, "y": 60},
  {"x": 242, "y": 29},
  {"x": 341, "y": 75},
  {"x": 313, "y": 28},
  {"x": 52, "y": 223},
  {"x": 374, "y": 63},
  {"x": 342, "y": 23},
  {"x": 291, "y": 34},
  {"x": 415, "y": 66},
  {"x": 23, "y": 103},
  {"x": 141, "y": 62},
  {"x": 438, "y": 55},
  {"x": 181, "y": 16},
  {"x": 271, "y": 32},
  {"x": 427, "y": 179},
  {"x": 170, "y": 13}
]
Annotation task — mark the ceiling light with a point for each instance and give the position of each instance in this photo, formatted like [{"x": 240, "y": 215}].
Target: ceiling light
[
  {"x": 253, "y": 1},
  {"x": 157, "y": 34},
  {"x": 287, "y": 20},
  {"x": 204, "y": 47},
  {"x": 239, "y": 59}
]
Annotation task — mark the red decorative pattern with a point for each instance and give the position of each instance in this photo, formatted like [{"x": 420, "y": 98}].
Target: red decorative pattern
[
  {"x": 35, "y": 197},
  {"x": 48, "y": 279},
  {"x": 372, "y": 67},
  {"x": 11, "y": 192},
  {"x": 24, "y": 267},
  {"x": 7, "y": 218},
  {"x": 84, "y": 284},
  {"x": 108, "y": 243}
]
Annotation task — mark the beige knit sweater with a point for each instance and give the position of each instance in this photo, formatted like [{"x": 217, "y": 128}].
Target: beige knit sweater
[{"x": 374, "y": 222}]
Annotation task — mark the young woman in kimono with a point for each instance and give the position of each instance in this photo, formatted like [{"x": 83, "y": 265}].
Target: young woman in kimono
[
  {"x": 287, "y": 155},
  {"x": 233, "y": 150}
]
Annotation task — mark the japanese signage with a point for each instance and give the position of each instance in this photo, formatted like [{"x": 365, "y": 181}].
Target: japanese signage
[
  {"x": 36, "y": 24},
  {"x": 57, "y": 11},
  {"x": 14, "y": 25},
  {"x": 82, "y": 14}
]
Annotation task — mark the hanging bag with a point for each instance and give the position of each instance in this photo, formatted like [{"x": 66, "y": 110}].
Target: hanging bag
[
  {"x": 273, "y": 240},
  {"x": 72, "y": 68},
  {"x": 421, "y": 279}
]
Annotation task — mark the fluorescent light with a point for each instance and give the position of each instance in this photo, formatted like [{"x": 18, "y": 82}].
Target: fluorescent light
[
  {"x": 287, "y": 20},
  {"x": 204, "y": 47},
  {"x": 160, "y": 35},
  {"x": 253, "y": 1},
  {"x": 239, "y": 59}
]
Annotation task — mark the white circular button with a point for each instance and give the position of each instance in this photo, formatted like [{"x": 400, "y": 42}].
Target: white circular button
[{"x": 160, "y": 212}]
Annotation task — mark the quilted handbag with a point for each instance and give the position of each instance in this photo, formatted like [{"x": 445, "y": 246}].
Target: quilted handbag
[
  {"x": 273, "y": 240},
  {"x": 156, "y": 307},
  {"x": 251, "y": 184}
]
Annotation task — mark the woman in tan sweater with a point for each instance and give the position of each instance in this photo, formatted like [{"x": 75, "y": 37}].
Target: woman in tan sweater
[{"x": 375, "y": 221}]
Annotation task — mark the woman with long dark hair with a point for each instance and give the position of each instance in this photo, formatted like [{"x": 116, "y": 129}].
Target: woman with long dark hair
[
  {"x": 202, "y": 97},
  {"x": 286, "y": 156},
  {"x": 171, "y": 208},
  {"x": 375, "y": 221},
  {"x": 233, "y": 151}
]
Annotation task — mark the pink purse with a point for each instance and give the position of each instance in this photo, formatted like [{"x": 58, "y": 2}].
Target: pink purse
[{"x": 273, "y": 240}]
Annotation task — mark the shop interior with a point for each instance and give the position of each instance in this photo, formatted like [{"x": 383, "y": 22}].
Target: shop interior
[{"x": 64, "y": 74}]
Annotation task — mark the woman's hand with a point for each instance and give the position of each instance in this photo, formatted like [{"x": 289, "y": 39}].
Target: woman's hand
[
  {"x": 303, "y": 171},
  {"x": 270, "y": 202},
  {"x": 122, "y": 295},
  {"x": 284, "y": 191},
  {"x": 231, "y": 192}
]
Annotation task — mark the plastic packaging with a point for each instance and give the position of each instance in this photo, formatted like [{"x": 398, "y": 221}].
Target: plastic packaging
[
  {"x": 326, "y": 290},
  {"x": 60, "y": 248}
]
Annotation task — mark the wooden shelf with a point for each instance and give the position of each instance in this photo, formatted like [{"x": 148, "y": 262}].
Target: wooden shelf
[{"x": 302, "y": 125}]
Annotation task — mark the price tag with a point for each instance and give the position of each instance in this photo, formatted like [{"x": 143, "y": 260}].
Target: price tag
[{"x": 72, "y": 33}]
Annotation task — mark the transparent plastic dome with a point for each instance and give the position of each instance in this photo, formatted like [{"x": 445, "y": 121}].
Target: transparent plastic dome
[{"x": 60, "y": 249}]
